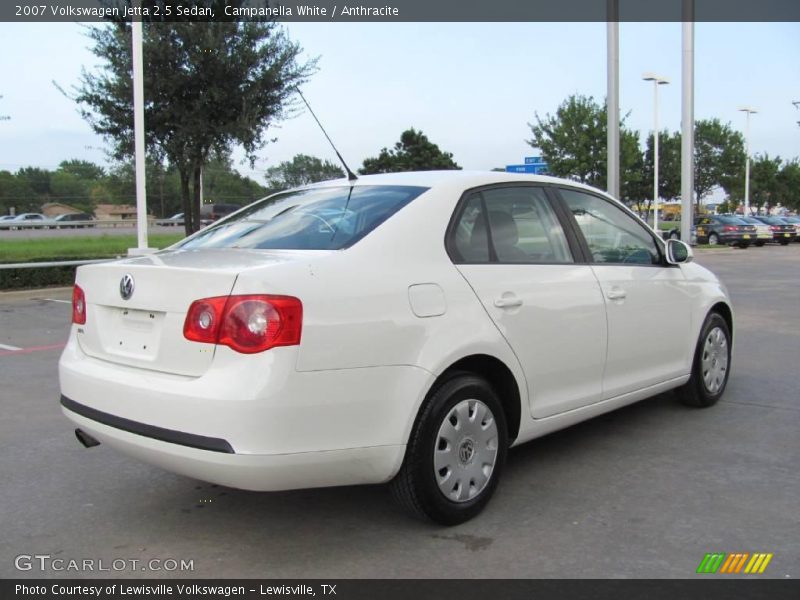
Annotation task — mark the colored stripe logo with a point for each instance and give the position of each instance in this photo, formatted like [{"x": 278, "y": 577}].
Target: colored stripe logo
[{"x": 734, "y": 563}]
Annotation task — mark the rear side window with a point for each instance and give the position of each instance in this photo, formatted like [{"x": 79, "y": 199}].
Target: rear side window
[
  {"x": 509, "y": 225},
  {"x": 313, "y": 219}
]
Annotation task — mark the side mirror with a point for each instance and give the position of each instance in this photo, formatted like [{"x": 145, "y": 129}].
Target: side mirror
[{"x": 678, "y": 252}]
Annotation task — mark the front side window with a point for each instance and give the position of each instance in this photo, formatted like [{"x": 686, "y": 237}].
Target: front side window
[
  {"x": 509, "y": 225},
  {"x": 612, "y": 235},
  {"x": 327, "y": 218}
]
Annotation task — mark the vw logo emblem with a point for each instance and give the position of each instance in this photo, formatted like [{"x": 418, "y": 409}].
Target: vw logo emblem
[
  {"x": 126, "y": 286},
  {"x": 466, "y": 451}
]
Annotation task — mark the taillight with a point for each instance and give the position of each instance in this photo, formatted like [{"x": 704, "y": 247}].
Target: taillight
[
  {"x": 247, "y": 324},
  {"x": 729, "y": 228},
  {"x": 78, "y": 306},
  {"x": 774, "y": 228}
]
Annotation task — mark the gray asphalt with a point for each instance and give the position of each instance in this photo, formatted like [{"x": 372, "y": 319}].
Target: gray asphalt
[{"x": 642, "y": 492}]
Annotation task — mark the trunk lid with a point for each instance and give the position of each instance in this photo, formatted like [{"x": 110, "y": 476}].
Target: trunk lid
[{"x": 146, "y": 329}]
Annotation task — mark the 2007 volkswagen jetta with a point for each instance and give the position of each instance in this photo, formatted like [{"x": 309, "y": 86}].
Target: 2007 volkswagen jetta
[{"x": 404, "y": 328}]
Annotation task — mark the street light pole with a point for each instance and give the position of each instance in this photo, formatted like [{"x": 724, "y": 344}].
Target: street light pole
[
  {"x": 748, "y": 111},
  {"x": 612, "y": 95},
  {"x": 657, "y": 80}
]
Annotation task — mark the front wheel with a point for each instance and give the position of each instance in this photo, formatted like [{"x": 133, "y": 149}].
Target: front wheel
[
  {"x": 455, "y": 454},
  {"x": 713, "y": 239},
  {"x": 711, "y": 365}
]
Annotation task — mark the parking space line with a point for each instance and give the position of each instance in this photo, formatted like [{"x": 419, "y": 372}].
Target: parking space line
[
  {"x": 62, "y": 301},
  {"x": 11, "y": 348},
  {"x": 31, "y": 350}
]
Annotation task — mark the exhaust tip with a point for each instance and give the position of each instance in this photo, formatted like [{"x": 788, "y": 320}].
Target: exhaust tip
[{"x": 85, "y": 439}]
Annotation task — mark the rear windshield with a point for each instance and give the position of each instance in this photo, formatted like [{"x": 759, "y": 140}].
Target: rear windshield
[
  {"x": 730, "y": 220},
  {"x": 329, "y": 218}
]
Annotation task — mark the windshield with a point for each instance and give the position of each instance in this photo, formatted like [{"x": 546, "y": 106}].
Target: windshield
[{"x": 328, "y": 218}]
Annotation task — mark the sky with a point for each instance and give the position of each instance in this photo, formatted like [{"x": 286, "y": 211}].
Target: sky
[{"x": 470, "y": 87}]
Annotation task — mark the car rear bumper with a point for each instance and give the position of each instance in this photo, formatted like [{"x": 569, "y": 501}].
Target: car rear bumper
[
  {"x": 258, "y": 472},
  {"x": 250, "y": 417}
]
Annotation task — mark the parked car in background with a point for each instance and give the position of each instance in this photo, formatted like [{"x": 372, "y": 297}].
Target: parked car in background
[
  {"x": 763, "y": 232},
  {"x": 73, "y": 220},
  {"x": 724, "y": 229},
  {"x": 405, "y": 328},
  {"x": 214, "y": 212},
  {"x": 796, "y": 222},
  {"x": 675, "y": 233},
  {"x": 782, "y": 232},
  {"x": 175, "y": 220},
  {"x": 38, "y": 220}
]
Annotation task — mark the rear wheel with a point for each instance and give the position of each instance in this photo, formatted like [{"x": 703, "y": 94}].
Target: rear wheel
[
  {"x": 711, "y": 365},
  {"x": 760, "y": 244},
  {"x": 784, "y": 242},
  {"x": 455, "y": 454}
]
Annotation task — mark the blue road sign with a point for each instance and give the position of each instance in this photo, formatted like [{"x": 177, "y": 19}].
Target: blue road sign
[
  {"x": 533, "y": 169},
  {"x": 534, "y": 160}
]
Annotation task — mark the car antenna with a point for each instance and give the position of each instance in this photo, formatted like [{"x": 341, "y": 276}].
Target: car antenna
[{"x": 350, "y": 175}]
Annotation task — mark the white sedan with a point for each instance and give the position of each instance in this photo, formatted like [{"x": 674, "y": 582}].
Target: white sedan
[{"x": 405, "y": 328}]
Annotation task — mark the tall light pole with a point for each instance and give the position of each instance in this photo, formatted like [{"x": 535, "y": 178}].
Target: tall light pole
[
  {"x": 748, "y": 110},
  {"x": 612, "y": 95},
  {"x": 657, "y": 81},
  {"x": 687, "y": 119}
]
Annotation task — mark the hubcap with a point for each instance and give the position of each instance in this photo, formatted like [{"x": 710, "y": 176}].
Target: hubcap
[
  {"x": 715, "y": 360},
  {"x": 466, "y": 450}
]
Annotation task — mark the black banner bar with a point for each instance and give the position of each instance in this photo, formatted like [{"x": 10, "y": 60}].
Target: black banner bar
[
  {"x": 712, "y": 588},
  {"x": 397, "y": 10}
]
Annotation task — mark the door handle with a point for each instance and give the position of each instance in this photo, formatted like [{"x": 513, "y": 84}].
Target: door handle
[
  {"x": 616, "y": 293},
  {"x": 508, "y": 301}
]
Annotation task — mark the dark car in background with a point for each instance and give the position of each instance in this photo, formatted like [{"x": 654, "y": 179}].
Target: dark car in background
[
  {"x": 796, "y": 222},
  {"x": 73, "y": 220},
  {"x": 782, "y": 232},
  {"x": 724, "y": 229},
  {"x": 214, "y": 212}
]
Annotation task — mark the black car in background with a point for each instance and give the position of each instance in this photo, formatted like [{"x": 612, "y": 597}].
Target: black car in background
[
  {"x": 795, "y": 221},
  {"x": 724, "y": 229},
  {"x": 77, "y": 220},
  {"x": 782, "y": 232}
]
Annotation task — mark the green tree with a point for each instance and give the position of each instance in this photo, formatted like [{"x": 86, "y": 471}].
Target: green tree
[
  {"x": 37, "y": 179},
  {"x": 70, "y": 189},
  {"x": 414, "y": 152},
  {"x": 788, "y": 188},
  {"x": 301, "y": 170},
  {"x": 764, "y": 182},
  {"x": 718, "y": 159},
  {"x": 573, "y": 143},
  {"x": 669, "y": 164},
  {"x": 208, "y": 87},
  {"x": 82, "y": 168},
  {"x": 222, "y": 183},
  {"x": 16, "y": 192}
]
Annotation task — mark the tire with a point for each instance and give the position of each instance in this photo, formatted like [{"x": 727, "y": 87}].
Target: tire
[
  {"x": 674, "y": 235},
  {"x": 454, "y": 417},
  {"x": 713, "y": 239},
  {"x": 784, "y": 243},
  {"x": 760, "y": 244},
  {"x": 713, "y": 357}
]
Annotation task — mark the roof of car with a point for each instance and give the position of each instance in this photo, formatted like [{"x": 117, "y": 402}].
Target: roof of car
[{"x": 465, "y": 178}]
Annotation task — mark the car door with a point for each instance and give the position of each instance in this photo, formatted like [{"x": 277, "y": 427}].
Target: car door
[
  {"x": 648, "y": 302},
  {"x": 509, "y": 244}
]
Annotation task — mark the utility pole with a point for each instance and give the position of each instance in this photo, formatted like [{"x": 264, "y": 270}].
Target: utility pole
[
  {"x": 612, "y": 94},
  {"x": 687, "y": 121}
]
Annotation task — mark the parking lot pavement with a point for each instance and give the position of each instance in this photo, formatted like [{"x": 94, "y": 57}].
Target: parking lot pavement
[{"x": 645, "y": 491}]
